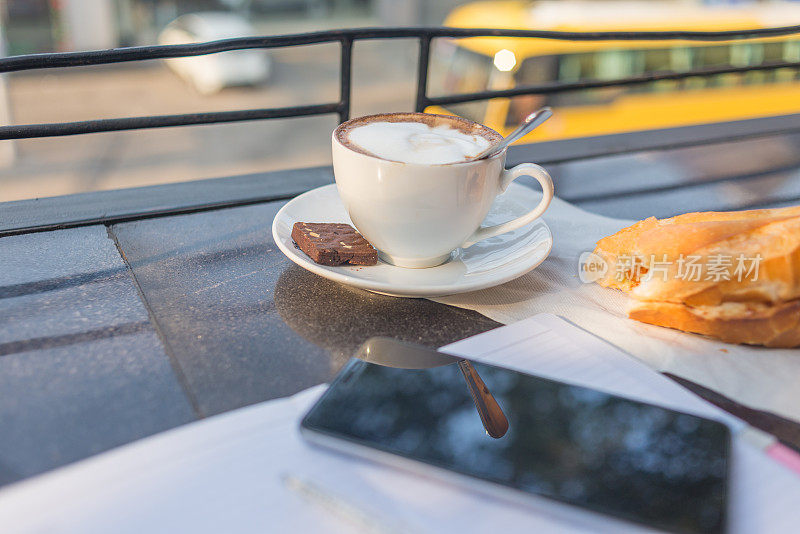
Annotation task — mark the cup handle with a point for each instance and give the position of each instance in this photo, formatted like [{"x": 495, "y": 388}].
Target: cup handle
[{"x": 508, "y": 176}]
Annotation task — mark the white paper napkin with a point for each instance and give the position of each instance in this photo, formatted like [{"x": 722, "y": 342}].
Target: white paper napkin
[{"x": 762, "y": 378}]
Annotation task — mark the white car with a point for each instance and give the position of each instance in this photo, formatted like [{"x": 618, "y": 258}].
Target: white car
[{"x": 210, "y": 73}]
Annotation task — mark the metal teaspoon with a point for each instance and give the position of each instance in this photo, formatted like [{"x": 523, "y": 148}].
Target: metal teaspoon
[{"x": 531, "y": 121}]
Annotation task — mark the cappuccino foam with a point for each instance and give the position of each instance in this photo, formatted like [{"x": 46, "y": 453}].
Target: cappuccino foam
[{"x": 410, "y": 141}]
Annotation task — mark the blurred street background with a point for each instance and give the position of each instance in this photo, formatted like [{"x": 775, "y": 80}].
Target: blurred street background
[{"x": 383, "y": 80}]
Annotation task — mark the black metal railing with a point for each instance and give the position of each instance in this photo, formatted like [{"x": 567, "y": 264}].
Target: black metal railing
[{"x": 346, "y": 38}]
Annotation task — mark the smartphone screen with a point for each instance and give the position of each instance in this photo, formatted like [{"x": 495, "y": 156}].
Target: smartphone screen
[{"x": 612, "y": 455}]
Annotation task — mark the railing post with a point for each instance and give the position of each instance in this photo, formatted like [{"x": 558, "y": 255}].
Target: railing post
[
  {"x": 422, "y": 72},
  {"x": 345, "y": 78}
]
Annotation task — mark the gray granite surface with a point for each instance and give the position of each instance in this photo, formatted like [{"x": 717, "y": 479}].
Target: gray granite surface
[
  {"x": 81, "y": 368},
  {"x": 207, "y": 315},
  {"x": 246, "y": 325},
  {"x": 65, "y": 403},
  {"x": 759, "y": 172},
  {"x": 628, "y": 175},
  {"x": 763, "y": 191}
]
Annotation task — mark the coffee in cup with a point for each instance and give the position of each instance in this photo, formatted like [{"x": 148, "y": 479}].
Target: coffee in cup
[
  {"x": 411, "y": 188},
  {"x": 425, "y": 140}
]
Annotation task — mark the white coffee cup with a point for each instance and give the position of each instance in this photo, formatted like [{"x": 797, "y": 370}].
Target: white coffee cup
[{"x": 415, "y": 214}]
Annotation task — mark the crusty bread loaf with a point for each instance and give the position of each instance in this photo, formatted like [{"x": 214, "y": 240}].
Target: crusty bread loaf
[
  {"x": 772, "y": 325},
  {"x": 758, "y": 304}
]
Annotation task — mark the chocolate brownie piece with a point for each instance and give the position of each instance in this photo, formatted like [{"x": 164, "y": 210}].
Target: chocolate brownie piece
[{"x": 333, "y": 244}]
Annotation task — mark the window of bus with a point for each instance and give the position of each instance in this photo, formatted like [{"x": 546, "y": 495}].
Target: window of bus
[
  {"x": 535, "y": 70},
  {"x": 566, "y": 68},
  {"x": 742, "y": 55},
  {"x": 653, "y": 60},
  {"x": 455, "y": 69},
  {"x": 706, "y": 57},
  {"x": 766, "y": 53},
  {"x": 616, "y": 64},
  {"x": 575, "y": 68},
  {"x": 757, "y": 54},
  {"x": 790, "y": 52},
  {"x": 598, "y": 65}
]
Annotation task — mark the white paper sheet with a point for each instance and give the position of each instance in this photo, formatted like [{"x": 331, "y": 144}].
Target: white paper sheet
[
  {"x": 758, "y": 377},
  {"x": 224, "y": 474},
  {"x": 550, "y": 347}
]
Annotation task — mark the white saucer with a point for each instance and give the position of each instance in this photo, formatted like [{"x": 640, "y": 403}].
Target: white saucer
[{"x": 485, "y": 264}]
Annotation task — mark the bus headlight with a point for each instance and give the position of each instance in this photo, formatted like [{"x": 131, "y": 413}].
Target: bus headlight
[{"x": 505, "y": 60}]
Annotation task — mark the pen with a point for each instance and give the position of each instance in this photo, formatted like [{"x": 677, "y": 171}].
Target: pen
[{"x": 761, "y": 426}]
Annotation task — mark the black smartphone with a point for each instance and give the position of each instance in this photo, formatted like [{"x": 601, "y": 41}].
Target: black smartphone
[{"x": 524, "y": 437}]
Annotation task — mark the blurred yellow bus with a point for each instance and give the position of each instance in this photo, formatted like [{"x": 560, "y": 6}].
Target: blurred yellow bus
[{"x": 480, "y": 63}]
